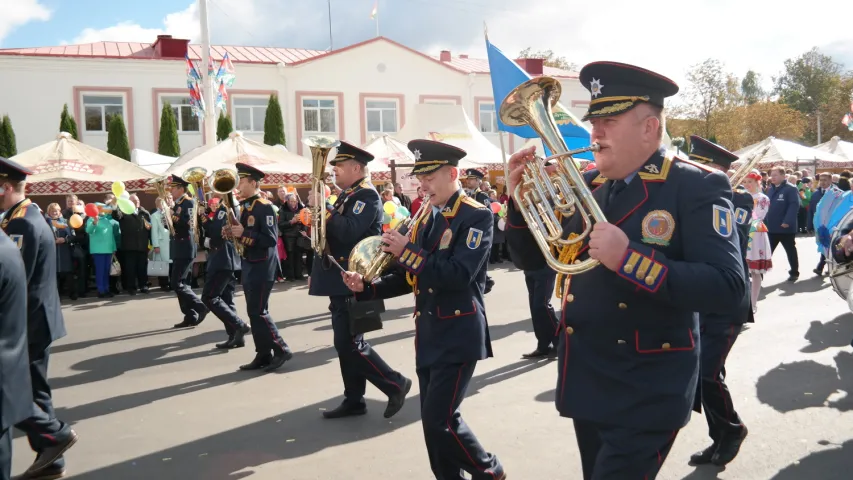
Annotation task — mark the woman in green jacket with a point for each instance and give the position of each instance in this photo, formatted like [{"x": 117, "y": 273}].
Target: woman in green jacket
[{"x": 104, "y": 235}]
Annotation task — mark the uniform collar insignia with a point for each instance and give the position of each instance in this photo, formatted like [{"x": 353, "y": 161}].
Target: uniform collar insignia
[{"x": 17, "y": 211}]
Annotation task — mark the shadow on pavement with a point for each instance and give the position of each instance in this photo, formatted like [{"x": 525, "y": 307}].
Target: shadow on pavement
[
  {"x": 835, "y": 333},
  {"x": 831, "y": 464},
  {"x": 293, "y": 434},
  {"x": 805, "y": 384}
]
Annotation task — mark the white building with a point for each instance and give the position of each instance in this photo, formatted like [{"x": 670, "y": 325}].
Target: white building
[{"x": 350, "y": 93}]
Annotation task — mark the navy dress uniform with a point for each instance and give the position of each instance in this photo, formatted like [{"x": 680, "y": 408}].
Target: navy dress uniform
[
  {"x": 628, "y": 359},
  {"x": 24, "y": 223},
  {"x": 220, "y": 283},
  {"x": 260, "y": 267},
  {"x": 16, "y": 394},
  {"x": 355, "y": 215},
  {"x": 183, "y": 250},
  {"x": 481, "y": 197},
  {"x": 720, "y": 331},
  {"x": 444, "y": 264}
]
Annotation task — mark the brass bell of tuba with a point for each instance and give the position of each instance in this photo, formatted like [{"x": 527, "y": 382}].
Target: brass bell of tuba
[
  {"x": 222, "y": 182},
  {"x": 543, "y": 198},
  {"x": 367, "y": 257},
  {"x": 160, "y": 184},
  {"x": 320, "y": 147},
  {"x": 196, "y": 176}
]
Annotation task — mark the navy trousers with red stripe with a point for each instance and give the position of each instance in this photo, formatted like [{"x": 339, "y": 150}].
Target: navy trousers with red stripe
[
  {"x": 452, "y": 446},
  {"x": 218, "y": 297},
  {"x": 359, "y": 362},
  {"x": 264, "y": 331},
  {"x": 617, "y": 453},
  {"x": 540, "y": 288},
  {"x": 191, "y": 306},
  {"x": 717, "y": 341}
]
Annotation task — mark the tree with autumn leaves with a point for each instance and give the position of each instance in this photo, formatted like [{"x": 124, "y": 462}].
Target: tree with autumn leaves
[{"x": 738, "y": 112}]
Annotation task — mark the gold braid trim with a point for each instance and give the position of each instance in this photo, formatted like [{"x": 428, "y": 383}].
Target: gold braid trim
[
  {"x": 567, "y": 255},
  {"x": 413, "y": 279}
]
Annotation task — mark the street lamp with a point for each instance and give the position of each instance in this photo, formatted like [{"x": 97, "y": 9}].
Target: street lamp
[{"x": 817, "y": 113}]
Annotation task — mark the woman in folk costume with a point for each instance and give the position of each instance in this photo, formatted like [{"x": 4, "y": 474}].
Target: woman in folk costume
[{"x": 758, "y": 254}]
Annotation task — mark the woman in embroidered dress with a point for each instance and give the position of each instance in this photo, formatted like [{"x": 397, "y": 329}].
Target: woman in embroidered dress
[{"x": 758, "y": 254}]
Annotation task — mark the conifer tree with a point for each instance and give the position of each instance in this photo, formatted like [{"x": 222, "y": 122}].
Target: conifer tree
[
  {"x": 117, "y": 142},
  {"x": 168, "y": 143},
  {"x": 223, "y": 127},
  {"x": 274, "y": 123},
  {"x": 67, "y": 123},
  {"x": 8, "y": 133}
]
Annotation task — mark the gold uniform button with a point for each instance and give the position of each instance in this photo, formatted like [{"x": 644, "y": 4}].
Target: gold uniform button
[
  {"x": 628, "y": 268},
  {"x": 457, "y": 312},
  {"x": 623, "y": 306},
  {"x": 417, "y": 314},
  {"x": 650, "y": 280},
  {"x": 570, "y": 298},
  {"x": 570, "y": 330},
  {"x": 577, "y": 262},
  {"x": 417, "y": 292},
  {"x": 666, "y": 346},
  {"x": 621, "y": 342},
  {"x": 429, "y": 290}
]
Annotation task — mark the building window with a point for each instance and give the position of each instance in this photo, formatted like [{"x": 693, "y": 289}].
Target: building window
[
  {"x": 249, "y": 114},
  {"x": 381, "y": 116},
  {"x": 99, "y": 109},
  {"x": 437, "y": 101},
  {"x": 488, "y": 119},
  {"x": 187, "y": 122},
  {"x": 319, "y": 115}
]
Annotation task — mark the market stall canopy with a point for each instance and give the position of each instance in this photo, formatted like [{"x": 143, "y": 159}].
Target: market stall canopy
[
  {"x": 153, "y": 162},
  {"x": 280, "y": 165},
  {"x": 65, "y": 165},
  {"x": 784, "y": 153},
  {"x": 450, "y": 124},
  {"x": 838, "y": 147}
]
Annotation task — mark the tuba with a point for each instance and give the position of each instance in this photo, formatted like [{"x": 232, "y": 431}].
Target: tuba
[
  {"x": 223, "y": 182},
  {"x": 160, "y": 184},
  {"x": 543, "y": 198},
  {"x": 320, "y": 147},
  {"x": 367, "y": 257},
  {"x": 840, "y": 275},
  {"x": 195, "y": 176},
  {"x": 750, "y": 163}
]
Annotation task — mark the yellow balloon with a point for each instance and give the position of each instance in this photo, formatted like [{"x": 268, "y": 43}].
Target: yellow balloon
[
  {"x": 394, "y": 222},
  {"x": 389, "y": 207},
  {"x": 333, "y": 198}
]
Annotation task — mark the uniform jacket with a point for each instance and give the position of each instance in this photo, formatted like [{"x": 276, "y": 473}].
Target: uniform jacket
[
  {"x": 25, "y": 225},
  {"x": 356, "y": 215},
  {"x": 160, "y": 236},
  {"x": 784, "y": 206},
  {"x": 182, "y": 245},
  {"x": 61, "y": 229},
  {"x": 629, "y": 351},
  {"x": 221, "y": 255},
  {"x": 446, "y": 267},
  {"x": 16, "y": 397},
  {"x": 260, "y": 239}
]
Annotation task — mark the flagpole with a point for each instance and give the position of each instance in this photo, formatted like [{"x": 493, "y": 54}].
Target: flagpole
[
  {"x": 207, "y": 86},
  {"x": 377, "y": 18},
  {"x": 331, "y": 43}
]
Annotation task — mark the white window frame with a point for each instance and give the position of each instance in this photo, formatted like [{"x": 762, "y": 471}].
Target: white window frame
[
  {"x": 317, "y": 110},
  {"x": 368, "y": 109},
  {"x": 489, "y": 125},
  {"x": 103, "y": 106},
  {"x": 235, "y": 106},
  {"x": 179, "y": 106}
]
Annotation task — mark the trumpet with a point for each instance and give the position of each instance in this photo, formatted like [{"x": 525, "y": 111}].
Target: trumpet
[
  {"x": 160, "y": 184},
  {"x": 738, "y": 177},
  {"x": 222, "y": 182},
  {"x": 367, "y": 257},
  {"x": 320, "y": 147},
  {"x": 195, "y": 176},
  {"x": 543, "y": 198}
]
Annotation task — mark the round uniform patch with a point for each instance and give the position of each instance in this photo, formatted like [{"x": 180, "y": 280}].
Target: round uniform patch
[
  {"x": 445, "y": 239},
  {"x": 658, "y": 226}
]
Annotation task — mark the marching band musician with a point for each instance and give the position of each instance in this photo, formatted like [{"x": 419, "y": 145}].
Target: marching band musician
[
  {"x": 258, "y": 232},
  {"x": 356, "y": 214},
  {"x": 445, "y": 265},
  {"x": 719, "y": 331},
  {"x": 24, "y": 222},
  {"x": 219, "y": 283},
  {"x": 628, "y": 359},
  {"x": 183, "y": 250}
]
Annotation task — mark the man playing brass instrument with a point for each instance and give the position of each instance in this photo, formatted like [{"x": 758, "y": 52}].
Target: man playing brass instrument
[
  {"x": 183, "y": 250},
  {"x": 628, "y": 352},
  {"x": 445, "y": 265}
]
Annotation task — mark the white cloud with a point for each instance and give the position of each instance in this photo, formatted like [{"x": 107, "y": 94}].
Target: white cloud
[
  {"x": 20, "y": 12},
  {"x": 183, "y": 24}
]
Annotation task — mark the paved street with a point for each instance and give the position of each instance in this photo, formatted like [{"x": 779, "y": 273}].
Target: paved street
[{"x": 150, "y": 402}]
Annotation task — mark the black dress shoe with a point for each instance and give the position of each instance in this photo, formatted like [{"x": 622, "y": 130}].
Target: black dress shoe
[
  {"x": 237, "y": 340},
  {"x": 538, "y": 353},
  {"x": 184, "y": 324},
  {"x": 729, "y": 448},
  {"x": 49, "y": 455},
  {"x": 346, "y": 410},
  {"x": 49, "y": 473},
  {"x": 226, "y": 344},
  {"x": 278, "y": 360},
  {"x": 396, "y": 401},
  {"x": 258, "y": 363},
  {"x": 704, "y": 457}
]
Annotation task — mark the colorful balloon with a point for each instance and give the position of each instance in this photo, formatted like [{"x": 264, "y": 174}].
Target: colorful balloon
[
  {"x": 403, "y": 212},
  {"x": 328, "y": 191},
  {"x": 395, "y": 222},
  {"x": 118, "y": 188},
  {"x": 495, "y": 206},
  {"x": 305, "y": 216},
  {"x": 333, "y": 198},
  {"x": 386, "y": 218},
  {"x": 91, "y": 210},
  {"x": 389, "y": 207},
  {"x": 126, "y": 206},
  {"x": 75, "y": 221}
]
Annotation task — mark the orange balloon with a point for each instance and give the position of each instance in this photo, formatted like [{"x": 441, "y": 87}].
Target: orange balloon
[
  {"x": 328, "y": 191},
  {"x": 305, "y": 217}
]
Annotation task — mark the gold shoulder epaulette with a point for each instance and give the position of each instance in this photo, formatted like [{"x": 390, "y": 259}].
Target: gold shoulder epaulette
[
  {"x": 599, "y": 180},
  {"x": 262, "y": 201},
  {"x": 698, "y": 165},
  {"x": 470, "y": 201}
]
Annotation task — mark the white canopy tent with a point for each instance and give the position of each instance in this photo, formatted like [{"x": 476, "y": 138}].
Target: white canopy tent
[
  {"x": 153, "y": 162},
  {"x": 65, "y": 165},
  {"x": 784, "y": 153},
  {"x": 838, "y": 147}
]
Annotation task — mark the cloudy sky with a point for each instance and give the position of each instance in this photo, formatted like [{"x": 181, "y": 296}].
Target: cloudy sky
[{"x": 665, "y": 35}]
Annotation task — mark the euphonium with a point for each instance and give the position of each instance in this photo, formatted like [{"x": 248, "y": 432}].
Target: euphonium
[
  {"x": 749, "y": 164},
  {"x": 542, "y": 198},
  {"x": 367, "y": 257},
  {"x": 195, "y": 176},
  {"x": 160, "y": 184},
  {"x": 320, "y": 147},
  {"x": 222, "y": 182}
]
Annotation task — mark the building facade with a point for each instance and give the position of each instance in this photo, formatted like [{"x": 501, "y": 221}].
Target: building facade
[{"x": 350, "y": 93}]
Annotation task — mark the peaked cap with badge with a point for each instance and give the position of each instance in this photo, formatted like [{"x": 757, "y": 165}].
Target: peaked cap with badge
[
  {"x": 347, "y": 151},
  {"x": 616, "y": 88},
  {"x": 431, "y": 155},
  {"x": 12, "y": 171},
  {"x": 177, "y": 181},
  {"x": 474, "y": 173},
  {"x": 246, "y": 170},
  {"x": 705, "y": 151}
]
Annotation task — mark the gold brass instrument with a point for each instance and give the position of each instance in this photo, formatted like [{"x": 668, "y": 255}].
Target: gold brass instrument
[
  {"x": 195, "y": 176},
  {"x": 367, "y": 257},
  {"x": 749, "y": 164},
  {"x": 543, "y": 198},
  {"x": 160, "y": 184},
  {"x": 320, "y": 147},
  {"x": 222, "y": 182}
]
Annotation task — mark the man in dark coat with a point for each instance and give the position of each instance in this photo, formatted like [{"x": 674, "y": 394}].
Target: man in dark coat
[
  {"x": 781, "y": 218},
  {"x": 135, "y": 237}
]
